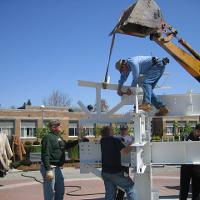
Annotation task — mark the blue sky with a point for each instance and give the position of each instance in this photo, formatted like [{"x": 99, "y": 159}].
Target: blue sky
[{"x": 47, "y": 45}]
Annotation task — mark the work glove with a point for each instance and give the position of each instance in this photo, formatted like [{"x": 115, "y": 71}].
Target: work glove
[{"x": 49, "y": 175}]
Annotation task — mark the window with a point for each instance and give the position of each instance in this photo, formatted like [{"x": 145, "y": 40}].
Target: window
[
  {"x": 28, "y": 129},
  {"x": 73, "y": 128},
  {"x": 193, "y": 124},
  {"x": 7, "y": 126},
  {"x": 181, "y": 125},
  {"x": 169, "y": 127},
  {"x": 89, "y": 130}
]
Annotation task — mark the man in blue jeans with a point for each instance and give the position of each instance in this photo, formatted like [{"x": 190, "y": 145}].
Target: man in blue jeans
[
  {"x": 151, "y": 68},
  {"x": 113, "y": 173},
  {"x": 53, "y": 158}
]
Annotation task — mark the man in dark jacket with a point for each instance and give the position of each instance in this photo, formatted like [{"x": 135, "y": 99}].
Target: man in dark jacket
[
  {"x": 53, "y": 158},
  {"x": 112, "y": 171},
  {"x": 191, "y": 172}
]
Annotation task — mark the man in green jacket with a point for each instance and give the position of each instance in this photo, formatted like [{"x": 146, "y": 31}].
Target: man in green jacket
[{"x": 53, "y": 158}]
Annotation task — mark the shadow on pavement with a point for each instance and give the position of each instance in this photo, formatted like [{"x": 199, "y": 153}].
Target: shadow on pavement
[
  {"x": 173, "y": 187},
  {"x": 95, "y": 199},
  {"x": 172, "y": 196},
  {"x": 169, "y": 197}
]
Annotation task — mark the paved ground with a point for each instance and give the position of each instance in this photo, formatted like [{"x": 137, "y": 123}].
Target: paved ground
[{"x": 16, "y": 187}]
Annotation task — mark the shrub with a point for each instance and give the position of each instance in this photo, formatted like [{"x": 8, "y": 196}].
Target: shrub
[
  {"x": 155, "y": 138},
  {"x": 27, "y": 143},
  {"x": 28, "y": 148},
  {"x": 74, "y": 152},
  {"x": 41, "y": 132},
  {"x": 37, "y": 148},
  {"x": 176, "y": 137},
  {"x": 36, "y": 143},
  {"x": 165, "y": 138}
]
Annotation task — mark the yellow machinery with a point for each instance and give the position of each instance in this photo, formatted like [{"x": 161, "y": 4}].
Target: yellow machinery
[{"x": 144, "y": 18}]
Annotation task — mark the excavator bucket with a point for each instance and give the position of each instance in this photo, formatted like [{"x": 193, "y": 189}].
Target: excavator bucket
[{"x": 140, "y": 19}]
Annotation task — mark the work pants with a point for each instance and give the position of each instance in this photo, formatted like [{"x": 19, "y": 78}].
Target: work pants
[
  {"x": 111, "y": 181},
  {"x": 120, "y": 192},
  {"x": 185, "y": 177},
  {"x": 151, "y": 77},
  {"x": 196, "y": 182},
  {"x": 53, "y": 189}
]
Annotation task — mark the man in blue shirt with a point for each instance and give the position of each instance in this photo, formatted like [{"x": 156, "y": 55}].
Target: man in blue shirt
[{"x": 151, "y": 68}]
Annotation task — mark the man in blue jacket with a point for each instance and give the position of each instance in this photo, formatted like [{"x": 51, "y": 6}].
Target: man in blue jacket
[{"x": 151, "y": 68}]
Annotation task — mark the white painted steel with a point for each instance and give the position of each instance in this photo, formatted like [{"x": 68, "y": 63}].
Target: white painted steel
[
  {"x": 143, "y": 152},
  {"x": 175, "y": 152},
  {"x": 143, "y": 184},
  {"x": 182, "y": 104}
]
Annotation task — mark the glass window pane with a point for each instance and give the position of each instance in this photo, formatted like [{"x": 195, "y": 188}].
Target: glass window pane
[{"x": 71, "y": 131}]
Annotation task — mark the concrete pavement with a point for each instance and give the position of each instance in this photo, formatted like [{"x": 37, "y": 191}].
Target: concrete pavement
[{"x": 85, "y": 186}]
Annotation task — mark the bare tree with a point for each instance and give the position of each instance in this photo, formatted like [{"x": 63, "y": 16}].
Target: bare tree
[{"x": 57, "y": 98}]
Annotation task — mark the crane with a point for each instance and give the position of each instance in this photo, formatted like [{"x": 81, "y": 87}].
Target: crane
[{"x": 144, "y": 18}]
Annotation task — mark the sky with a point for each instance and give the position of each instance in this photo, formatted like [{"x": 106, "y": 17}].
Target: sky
[{"x": 48, "y": 45}]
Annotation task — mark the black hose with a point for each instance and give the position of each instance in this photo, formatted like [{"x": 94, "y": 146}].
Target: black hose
[
  {"x": 27, "y": 176},
  {"x": 79, "y": 188},
  {"x": 66, "y": 186}
]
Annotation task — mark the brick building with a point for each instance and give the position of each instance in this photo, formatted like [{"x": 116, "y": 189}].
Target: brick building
[
  {"x": 166, "y": 125},
  {"x": 24, "y": 122}
]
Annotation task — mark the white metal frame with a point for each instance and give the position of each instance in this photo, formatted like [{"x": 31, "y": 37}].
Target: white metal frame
[{"x": 144, "y": 153}]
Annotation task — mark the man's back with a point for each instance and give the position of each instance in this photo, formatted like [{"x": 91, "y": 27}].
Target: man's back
[
  {"x": 142, "y": 63},
  {"x": 111, "y": 156}
]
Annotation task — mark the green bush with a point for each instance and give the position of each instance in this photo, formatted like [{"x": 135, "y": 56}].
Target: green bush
[
  {"x": 29, "y": 148},
  {"x": 176, "y": 137},
  {"x": 74, "y": 152},
  {"x": 165, "y": 139},
  {"x": 37, "y": 148},
  {"x": 16, "y": 164},
  {"x": 36, "y": 143},
  {"x": 155, "y": 138},
  {"x": 41, "y": 132},
  {"x": 27, "y": 143}
]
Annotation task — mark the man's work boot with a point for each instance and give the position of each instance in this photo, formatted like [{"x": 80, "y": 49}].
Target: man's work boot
[
  {"x": 162, "y": 111},
  {"x": 145, "y": 106}
]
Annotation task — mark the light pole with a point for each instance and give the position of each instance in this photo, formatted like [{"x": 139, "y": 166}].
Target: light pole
[{"x": 42, "y": 109}]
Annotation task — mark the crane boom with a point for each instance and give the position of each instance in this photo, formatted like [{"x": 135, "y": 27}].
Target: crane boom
[{"x": 144, "y": 18}]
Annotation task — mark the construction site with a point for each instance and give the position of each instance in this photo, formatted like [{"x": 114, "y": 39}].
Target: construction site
[{"x": 154, "y": 166}]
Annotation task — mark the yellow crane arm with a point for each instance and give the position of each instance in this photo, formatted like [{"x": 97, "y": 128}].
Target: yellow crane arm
[
  {"x": 190, "y": 61},
  {"x": 144, "y": 18}
]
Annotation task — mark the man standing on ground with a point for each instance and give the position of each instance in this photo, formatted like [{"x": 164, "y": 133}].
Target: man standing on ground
[
  {"x": 191, "y": 172},
  {"x": 53, "y": 158},
  {"x": 112, "y": 171},
  {"x": 127, "y": 140},
  {"x": 151, "y": 68}
]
